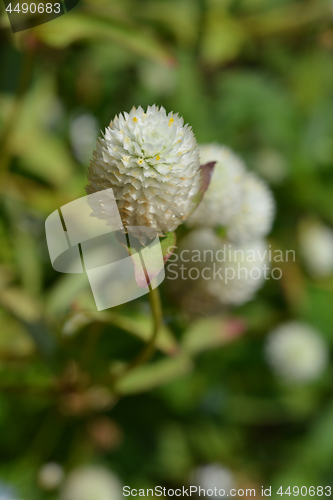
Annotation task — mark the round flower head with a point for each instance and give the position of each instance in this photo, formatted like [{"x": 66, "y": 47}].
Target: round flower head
[
  {"x": 243, "y": 273},
  {"x": 189, "y": 290},
  {"x": 201, "y": 244},
  {"x": 213, "y": 476},
  {"x": 235, "y": 198},
  {"x": 91, "y": 483},
  {"x": 229, "y": 273},
  {"x": 296, "y": 352},
  {"x": 316, "y": 246},
  {"x": 223, "y": 197},
  {"x": 255, "y": 217},
  {"x": 151, "y": 162}
]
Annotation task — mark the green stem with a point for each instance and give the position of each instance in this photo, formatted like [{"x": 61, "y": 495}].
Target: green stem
[{"x": 148, "y": 350}]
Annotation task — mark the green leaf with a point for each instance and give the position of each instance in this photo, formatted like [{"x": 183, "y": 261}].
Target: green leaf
[
  {"x": 211, "y": 332},
  {"x": 20, "y": 304},
  {"x": 39, "y": 150},
  {"x": 153, "y": 375},
  {"x": 69, "y": 289},
  {"x": 140, "y": 326},
  {"x": 14, "y": 340},
  {"x": 223, "y": 39},
  {"x": 88, "y": 26}
]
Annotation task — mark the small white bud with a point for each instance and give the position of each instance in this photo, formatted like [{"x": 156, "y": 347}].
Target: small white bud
[{"x": 316, "y": 247}]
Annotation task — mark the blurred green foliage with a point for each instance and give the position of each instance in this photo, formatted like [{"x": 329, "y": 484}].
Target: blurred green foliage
[{"x": 255, "y": 75}]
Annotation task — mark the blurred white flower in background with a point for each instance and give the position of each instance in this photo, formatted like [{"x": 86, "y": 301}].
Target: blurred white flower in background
[
  {"x": 244, "y": 273},
  {"x": 296, "y": 352},
  {"x": 243, "y": 268},
  {"x": 213, "y": 476},
  {"x": 157, "y": 78},
  {"x": 316, "y": 247},
  {"x": 83, "y": 132},
  {"x": 235, "y": 198},
  {"x": 91, "y": 483},
  {"x": 151, "y": 161},
  {"x": 50, "y": 476},
  {"x": 223, "y": 198},
  {"x": 255, "y": 218},
  {"x": 199, "y": 240}
]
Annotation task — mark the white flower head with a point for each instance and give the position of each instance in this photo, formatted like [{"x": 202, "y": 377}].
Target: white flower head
[
  {"x": 91, "y": 483},
  {"x": 151, "y": 161},
  {"x": 296, "y": 352},
  {"x": 200, "y": 240},
  {"x": 235, "y": 198},
  {"x": 316, "y": 247},
  {"x": 223, "y": 197},
  {"x": 243, "y": 274},
  {"x": 213, "y": 476},
  {"x": 230, "y": 273},
  {"x": 255, "y": 217}
]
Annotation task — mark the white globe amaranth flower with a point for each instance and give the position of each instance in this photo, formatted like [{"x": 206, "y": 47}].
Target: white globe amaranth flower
[
  {"x": 230, "y": 273},
  {"x": 199, "y": 247},
  {"x": 194, "y": 252},
  {"x": 316, "y": 247},
  {"x": 255, "y": 218},
  {"x": 91, "y": 483},
  {"x": 235, "y": 198},
  {"x": 244, "y": 271},
  {"x": 151, "y": 162},
  {"x": 296, "y": 352},
  {"x": 223, "y": 197},
  {"x": 213, "y": 476}
]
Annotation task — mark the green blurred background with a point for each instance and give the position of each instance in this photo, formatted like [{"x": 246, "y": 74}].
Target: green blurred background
[{"x": 256, "y": 75}]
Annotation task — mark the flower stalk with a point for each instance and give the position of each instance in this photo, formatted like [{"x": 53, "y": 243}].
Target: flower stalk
[{"x": 148, "y": 350}]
